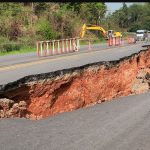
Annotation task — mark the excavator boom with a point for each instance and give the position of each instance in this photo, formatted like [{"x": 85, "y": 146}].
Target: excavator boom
[
  {"x": 95, "y": 27},
  {"x": 92, "y": 27}
]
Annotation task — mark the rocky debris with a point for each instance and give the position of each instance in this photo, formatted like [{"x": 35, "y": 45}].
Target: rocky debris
[
  {"x": 5, "y": 105},
  {"x": 33, "y": 117},
  {"x": 10, "y": 109},
  {"x": 142, "y": 82}
]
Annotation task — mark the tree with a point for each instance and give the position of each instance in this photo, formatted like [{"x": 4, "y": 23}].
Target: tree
[
  {"x": 125, "y": 15},
  {"x": 96, "y": 12}
]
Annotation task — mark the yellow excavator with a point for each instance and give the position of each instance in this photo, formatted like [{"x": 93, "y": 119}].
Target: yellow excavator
[{"x": 106, "y": 34}]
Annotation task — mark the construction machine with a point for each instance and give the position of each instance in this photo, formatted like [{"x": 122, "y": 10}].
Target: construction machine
[{"x": 106, "y": 34}]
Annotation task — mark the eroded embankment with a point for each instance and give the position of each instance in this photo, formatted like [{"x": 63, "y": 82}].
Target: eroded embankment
[{"x": 43, "y": 95}]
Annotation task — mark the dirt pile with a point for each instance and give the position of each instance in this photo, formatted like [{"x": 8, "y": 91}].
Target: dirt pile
[{"x": 66, "y": 90}]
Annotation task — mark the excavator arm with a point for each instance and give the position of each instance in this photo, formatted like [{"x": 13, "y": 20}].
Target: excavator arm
[{"x": 91, "y": 27}]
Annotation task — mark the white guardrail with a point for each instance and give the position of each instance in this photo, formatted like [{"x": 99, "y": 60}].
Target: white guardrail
[
  {"x": 116, "y": 41},
  {"x": 54, "y": 47}
]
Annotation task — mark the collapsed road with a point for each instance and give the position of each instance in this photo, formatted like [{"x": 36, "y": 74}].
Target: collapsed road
[
  {"x": 42, "y": 95},
  {"x": 98, "y": 127}
]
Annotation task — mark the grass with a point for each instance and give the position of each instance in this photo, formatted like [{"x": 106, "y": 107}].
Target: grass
[
  {"x": 23, "y": 50},
  {"x": 31, "y": 49}
]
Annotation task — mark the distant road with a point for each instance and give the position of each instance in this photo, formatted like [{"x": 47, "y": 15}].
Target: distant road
[
  {"x": 122, "y": 124},
  {"x": 15, "y": 67}
]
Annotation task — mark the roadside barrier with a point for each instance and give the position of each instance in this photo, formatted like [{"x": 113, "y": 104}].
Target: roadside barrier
[
  {"x": 115, "y": 41},
  {"x": 54, "y": 47},
  {"x": 130, "y": 40}
]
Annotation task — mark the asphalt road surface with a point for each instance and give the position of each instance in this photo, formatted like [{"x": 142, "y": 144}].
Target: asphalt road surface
[
  {"x": 122, "y": 124},
  {"x": 15, "y": 67}
]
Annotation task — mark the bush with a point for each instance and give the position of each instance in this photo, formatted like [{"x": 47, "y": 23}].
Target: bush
[
  {"x": 27, "y": 41},
  {"x": 45, "y": 29},
  {"x": 3, "y": 39},
  {"x": 7, "y": 47}
]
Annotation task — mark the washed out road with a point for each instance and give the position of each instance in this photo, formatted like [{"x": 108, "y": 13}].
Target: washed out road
[
  {"x": 15, "y": 67},
  {"x": 121, "y": 124}
]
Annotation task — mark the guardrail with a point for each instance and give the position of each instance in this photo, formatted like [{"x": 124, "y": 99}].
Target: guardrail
[
  {"x": 54, "y": 47},
  {"x": 115, "y": 41}
]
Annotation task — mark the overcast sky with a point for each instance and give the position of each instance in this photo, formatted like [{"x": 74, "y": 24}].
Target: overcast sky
[{"x": 114, "y": 6}]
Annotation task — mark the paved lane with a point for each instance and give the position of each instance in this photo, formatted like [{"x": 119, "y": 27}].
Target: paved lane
[
  {"x": 121, "y": 124},
  {"x": 14, "y": 72},
  {"x": 32, "y": 56}
]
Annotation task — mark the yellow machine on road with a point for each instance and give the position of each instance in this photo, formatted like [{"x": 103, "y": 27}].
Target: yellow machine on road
[{"x": 106, "y": 34}]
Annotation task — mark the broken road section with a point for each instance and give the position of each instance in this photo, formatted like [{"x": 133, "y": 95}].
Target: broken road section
[{"x": 42, "y": 95}]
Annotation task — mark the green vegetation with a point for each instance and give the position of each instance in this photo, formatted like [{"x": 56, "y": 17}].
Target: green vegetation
[
  {"x": 23, "y": 50},
  {"x": 22, "y": 24},
  {"x": 132, "y": 18}
]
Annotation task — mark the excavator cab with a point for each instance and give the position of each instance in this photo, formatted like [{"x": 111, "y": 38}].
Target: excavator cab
[{"x": 110, "y": 33}]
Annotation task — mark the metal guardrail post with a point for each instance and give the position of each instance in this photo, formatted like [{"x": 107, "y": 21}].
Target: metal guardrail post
[
  {"x": 53, "y": 47},
  {"x": 64, "y": 42},
  {"x": 38, "y": 48},
  {"x": 45, "y": 51},
  {"x": 78, "y": 44},
  {"x": 74, "y": 44},
  {"x": 70, "y": 44},
  {"x": 63, "y": 46},
  {"x": 41, "y": 48},
  {"x": 66, "y": 45},
  {"x": 58, "y": 47},
  {"x": 47, "y": 47},
  {"x": 50, "y": 47},
  {"x": 109, "y": 41},
  {"x": 115, "y": 41}
]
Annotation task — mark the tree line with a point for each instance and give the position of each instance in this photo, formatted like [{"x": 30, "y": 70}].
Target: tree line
[
  {"x": 26, "y": 23},
  {"x": 132, "y": 18}
]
